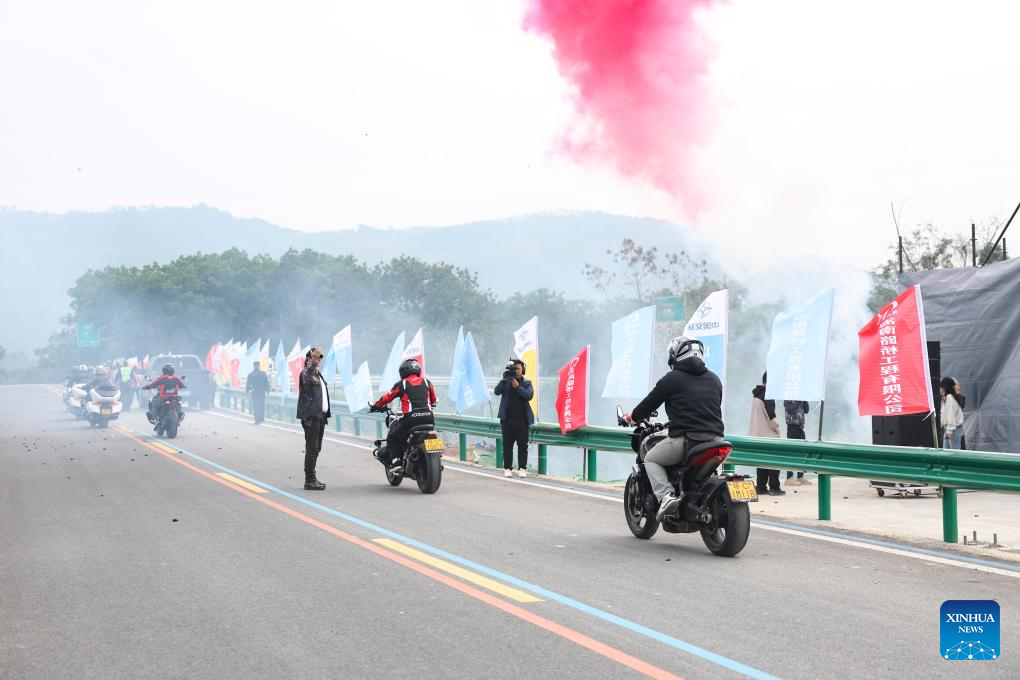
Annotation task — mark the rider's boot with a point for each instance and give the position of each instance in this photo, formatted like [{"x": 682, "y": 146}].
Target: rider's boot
[
  {"x": 668, "y": 506},
  {"x": 311, "y": 482}
]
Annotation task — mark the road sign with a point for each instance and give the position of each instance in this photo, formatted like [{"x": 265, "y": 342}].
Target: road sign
[
  {"x": 669, "y": 309},
  {"x": 88, "y": 336}
]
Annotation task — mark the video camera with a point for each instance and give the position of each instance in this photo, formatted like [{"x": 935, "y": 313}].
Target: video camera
[{"x": 510, "y": 370}]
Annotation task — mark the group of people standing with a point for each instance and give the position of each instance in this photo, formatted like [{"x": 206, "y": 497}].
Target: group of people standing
[{"x": 765, "y": 423}]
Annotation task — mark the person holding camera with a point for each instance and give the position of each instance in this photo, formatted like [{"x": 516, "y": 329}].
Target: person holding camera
[
  {"x": 515, "y": 415},
  {"x": 313, "y": 411}
]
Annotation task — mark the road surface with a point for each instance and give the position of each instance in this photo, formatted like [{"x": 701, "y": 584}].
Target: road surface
[{"x": 123, "y": 556}]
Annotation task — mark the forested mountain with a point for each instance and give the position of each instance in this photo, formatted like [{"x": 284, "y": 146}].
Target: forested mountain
[{"x": 46, "y": 253}]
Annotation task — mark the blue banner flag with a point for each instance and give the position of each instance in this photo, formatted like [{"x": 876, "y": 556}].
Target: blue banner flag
[
  {"x": 472, "y": 389},
  {"x": 282, "y": 376},
  {"x": 328, "y": 367},
  {"x": 250, "y": 357},
  {"x": 358, "y": 393},
  {"x": 391, "y": 373},
  {"x": 633, "y": 342},
  {"x": 799, "y": 350},
  {"x": 710, "y": 324},
  {"x": 457, "y": 369}
]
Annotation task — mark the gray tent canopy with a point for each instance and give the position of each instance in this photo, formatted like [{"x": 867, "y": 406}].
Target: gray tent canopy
[{"x": 975, "y": 314}]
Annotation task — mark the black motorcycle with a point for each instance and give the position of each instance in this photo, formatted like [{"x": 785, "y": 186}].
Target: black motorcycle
[
  {"x": 714, "y": 504},
  {"x": 423, "y": 454},
  {"x": 166, "y": 419}
]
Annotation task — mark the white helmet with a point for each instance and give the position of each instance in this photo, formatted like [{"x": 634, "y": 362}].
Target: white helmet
[{"x": 682, "y": 347}]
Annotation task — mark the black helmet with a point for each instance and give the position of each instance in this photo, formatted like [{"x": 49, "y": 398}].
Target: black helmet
[
  {"x": 682, "y": 347},
  {"x": 409, "y": 367},
  {"x": 168, "y": 369}
]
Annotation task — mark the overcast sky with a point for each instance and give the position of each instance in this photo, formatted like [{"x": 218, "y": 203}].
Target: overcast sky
[{"x": 325, "y": 115}]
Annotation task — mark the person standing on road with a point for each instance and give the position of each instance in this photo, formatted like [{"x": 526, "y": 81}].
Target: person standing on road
[
  {"x": 952, "y": 413},
  {"x": 127, "y": 388},
  {"x": 515, "y": 415},
  {"x": 257, "y": 385},
  {"x": 795, "y": 414},
  {"x": 764, "y": 424},
  {"x": 313, "y": 412}
]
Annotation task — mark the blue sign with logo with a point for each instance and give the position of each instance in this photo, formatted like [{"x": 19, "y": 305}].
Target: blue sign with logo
[{"x": 969, "y": 630}]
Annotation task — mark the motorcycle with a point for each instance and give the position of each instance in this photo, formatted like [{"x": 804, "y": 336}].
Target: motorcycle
[
  {"x": 166, "y": 420},
  {"x": 75, "y": 399},
  {"x": 423, "y": 453},
  {"x": 103, "y": 405},
  {"x": 713, "y": 504}
]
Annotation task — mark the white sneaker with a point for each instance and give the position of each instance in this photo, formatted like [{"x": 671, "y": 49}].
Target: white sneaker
[
  {"x": 508, "y": 473},
  {"x": 522, "y": 473}
]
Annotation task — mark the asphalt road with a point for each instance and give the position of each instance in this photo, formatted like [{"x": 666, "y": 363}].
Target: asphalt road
[{"x": 124, "y": 558}]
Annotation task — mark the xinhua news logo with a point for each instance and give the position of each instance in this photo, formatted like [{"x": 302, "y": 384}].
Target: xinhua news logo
[{"x": 969, "y": 630}]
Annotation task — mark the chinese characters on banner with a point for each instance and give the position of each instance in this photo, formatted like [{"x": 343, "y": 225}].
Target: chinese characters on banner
[
  {"x": 572, "y": 392},
  {"x": 799, "y": 350},
  {"x": 633, "y": 343},
  {"x": 893, "y": 360}
]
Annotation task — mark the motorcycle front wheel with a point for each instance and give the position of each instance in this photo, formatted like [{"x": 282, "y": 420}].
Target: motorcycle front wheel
[
  {"x": 642, "y": 524},
  {"x": 726, "y": 535},
  {"x": 430, "y": 474}
]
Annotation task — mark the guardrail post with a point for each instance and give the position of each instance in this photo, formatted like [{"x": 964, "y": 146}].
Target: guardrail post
[
  {"x": 357, "y": 426},
  {"x": 592, "y": 465},
  {"x": 462, "y": 443},
  {"x": 950, "y": 528},
  {"x": 339, "y": 424},
  {"x": 499, "y": 453},
  {"x": 825, "y": 497},
  {"x": 543, "y": 459},
  {"x": 379, "y": 429}
]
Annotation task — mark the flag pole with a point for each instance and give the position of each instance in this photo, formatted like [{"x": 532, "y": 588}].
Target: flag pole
[
  {"x": 821, "y": 418},
  {"x": 934, "y": 431}
]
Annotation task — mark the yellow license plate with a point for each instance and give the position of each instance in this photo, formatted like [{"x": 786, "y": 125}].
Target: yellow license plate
[
  {"x": 434, "y": 445},
  {"x": 742, "y": 491}
]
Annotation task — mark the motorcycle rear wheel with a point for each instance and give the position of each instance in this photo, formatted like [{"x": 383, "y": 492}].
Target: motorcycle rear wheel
[
  {"x": 640, "y": 523},
  {"x": 171, "y": 425},
  {"x": 430, "y": 473},
  {"x": 726, "y": 535}
]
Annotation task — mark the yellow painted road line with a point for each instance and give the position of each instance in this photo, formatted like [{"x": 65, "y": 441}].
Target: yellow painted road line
[
  {"x": 461, "y": 572},
  {"x": 241, "y": 482}
]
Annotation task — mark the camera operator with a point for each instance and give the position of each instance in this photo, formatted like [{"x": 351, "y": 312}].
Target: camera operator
[{"x": 515, "y": 415}]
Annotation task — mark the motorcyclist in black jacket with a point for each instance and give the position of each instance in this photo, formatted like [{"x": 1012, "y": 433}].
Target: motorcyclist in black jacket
[{"x": 693, "y": 398}]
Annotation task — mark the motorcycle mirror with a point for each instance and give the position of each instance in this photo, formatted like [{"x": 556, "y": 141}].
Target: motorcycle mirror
[{"x": 619, "y": 411}]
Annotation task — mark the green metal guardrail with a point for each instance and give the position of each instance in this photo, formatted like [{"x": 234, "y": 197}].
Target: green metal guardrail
[{"x": 950, "y": 469}]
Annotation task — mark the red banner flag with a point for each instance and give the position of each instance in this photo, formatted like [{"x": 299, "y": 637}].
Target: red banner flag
[
  {"x": 209, "y": 358},
  {"x": 893, "y": 360},
  {"x": 572, "y": 392}
]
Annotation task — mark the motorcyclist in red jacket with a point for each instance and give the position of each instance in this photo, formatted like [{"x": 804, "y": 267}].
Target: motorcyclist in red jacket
[{"x": 169, "y": 386}]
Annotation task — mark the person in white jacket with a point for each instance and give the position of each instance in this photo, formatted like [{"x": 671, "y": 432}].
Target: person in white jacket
[{"x": 951, "y": 412}]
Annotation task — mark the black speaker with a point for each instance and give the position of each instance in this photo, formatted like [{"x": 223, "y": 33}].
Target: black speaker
[{"x": 913, "y": 429}]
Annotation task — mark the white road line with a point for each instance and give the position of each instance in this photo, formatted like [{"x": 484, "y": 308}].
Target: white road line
[
  {"x": 616, "y": 499},
  {"x": 892, "y": 551},
  {"x": 287, "y": 429}
]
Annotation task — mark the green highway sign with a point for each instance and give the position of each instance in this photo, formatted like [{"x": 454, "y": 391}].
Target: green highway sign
[
  {"x": 88, "y": 336},
  {"x": 669, "y": 309}
]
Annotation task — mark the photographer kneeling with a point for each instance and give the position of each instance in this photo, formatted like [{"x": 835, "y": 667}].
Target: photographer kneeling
[{"x": 515, "y": 415}]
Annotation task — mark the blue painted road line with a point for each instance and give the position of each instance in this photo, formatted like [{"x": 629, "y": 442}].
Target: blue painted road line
[{"x": 676, "y": 643}]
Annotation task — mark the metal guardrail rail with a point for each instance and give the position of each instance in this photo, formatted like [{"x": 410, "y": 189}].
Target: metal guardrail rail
[{"x": 949, "y": 469}]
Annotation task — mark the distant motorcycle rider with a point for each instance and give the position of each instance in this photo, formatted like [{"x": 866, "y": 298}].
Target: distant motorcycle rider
[
  {"x": 417, "y": 399},
  {"x": 693, "y": 397},
  {"x": 169, "y": 386}
]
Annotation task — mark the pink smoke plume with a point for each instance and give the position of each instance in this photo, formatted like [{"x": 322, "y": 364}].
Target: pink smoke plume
[{"x": 638, "y": 67}]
